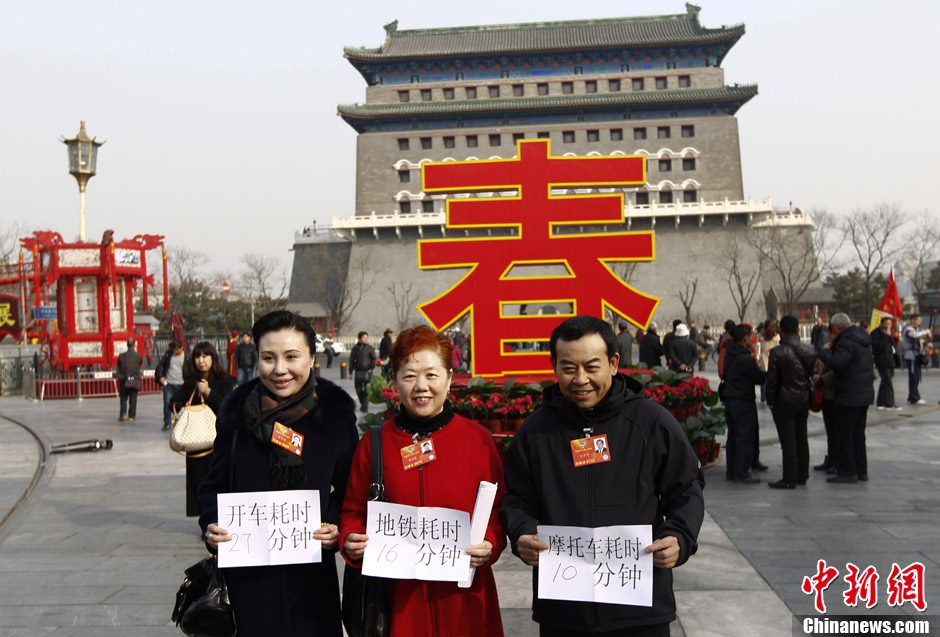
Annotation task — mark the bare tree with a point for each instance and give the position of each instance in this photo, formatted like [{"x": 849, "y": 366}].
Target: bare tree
[
  {"x": 404, "y": 303},
  {"x": 687, "y": 297},
  {"x": 743, "y": 282},
  {"x": 185, "y": 265},
  {"x": 797, "y": 257},
  {"x": 626, "y": 271},
  {"x": 873, "y": 237},
  {"x": 920, "y": 253},
  {"x": 264, "y": 277}
]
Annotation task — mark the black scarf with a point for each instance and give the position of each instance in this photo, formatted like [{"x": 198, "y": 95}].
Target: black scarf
[
  {"x": 424, "y": 426},
  {"x": 261, "y": 410}
]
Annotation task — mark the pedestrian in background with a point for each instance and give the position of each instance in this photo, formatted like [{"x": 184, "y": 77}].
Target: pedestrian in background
[
  {"x": 128, "y": 376},
  {"x": 826, "y": 378},
  {"x": 247, "y": 356},
  {"x": 169, "y": 374},
  {"x": 912, "y": 342},
  {"x": 789, "y": 373},
  {"x": 230, "y": 351},
  {"x": 385, "y": 350},
  {"x": 205, "y": 381},
  {"x": 769, "y": 339},
  {"x": 882, "y": 347},
  {"x": 361, "y": 364},
  {"x": 682, "y": 351},
  {"x": 742, "y": 374},
  {"x": 625, "y": 344},
  {"x": 849, "y": 356},
  {"x": 651, "y": 350}
]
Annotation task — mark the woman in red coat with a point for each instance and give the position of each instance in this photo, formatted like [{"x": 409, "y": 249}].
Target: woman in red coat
[{"x": 420, "y": 364}]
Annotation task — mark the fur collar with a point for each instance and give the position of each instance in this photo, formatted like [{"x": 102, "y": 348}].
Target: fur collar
[{"x": 334, "y": 407}]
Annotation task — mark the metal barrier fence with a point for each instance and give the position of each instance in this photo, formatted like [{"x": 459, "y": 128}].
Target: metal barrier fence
[{"x": 89, "y": 385}]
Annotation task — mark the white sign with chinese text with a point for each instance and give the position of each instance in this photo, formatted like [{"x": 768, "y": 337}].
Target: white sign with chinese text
[
  {"x": 269, "y": 527},
  {"x": 425, "y": 543},
  {"x": 607, "y": 564}
]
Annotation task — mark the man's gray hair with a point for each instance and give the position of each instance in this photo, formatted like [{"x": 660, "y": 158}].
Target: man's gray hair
[
  {"x": 842, "y": 321},
  {"x": 653, "y": 325}
]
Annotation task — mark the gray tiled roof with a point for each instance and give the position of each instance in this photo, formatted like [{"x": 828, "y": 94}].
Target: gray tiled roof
[
  {"x": 546, "y": 36},
  {"x": 459, "y": 107}
]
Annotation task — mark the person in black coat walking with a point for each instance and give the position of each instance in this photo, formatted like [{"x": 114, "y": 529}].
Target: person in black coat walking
[
  {"x": 789, "y": 373},
  {"x": 849, "y": 356},
  {"x": 741, "y": 375},
  {"x": 292, "y": 599},
  {"x": 882, "y": 348},
  {"x": 128, "y": 376},
  {"x": 651, "y": 350}
]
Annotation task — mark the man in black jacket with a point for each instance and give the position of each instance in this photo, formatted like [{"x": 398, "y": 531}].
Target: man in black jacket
[
  {"x": 683, "y": 352},
  {"x": 789, "y": 369},
  {"x": 361, "y": 364},
  {"x": 849, "y": 356},
  {"x": 742, "y": 374},
  {"x": 128, "y": 374},
  {"x": 651, "y": 477},
  {"x": 651, "y": 350},
  {"x": 882, "y": 348}
]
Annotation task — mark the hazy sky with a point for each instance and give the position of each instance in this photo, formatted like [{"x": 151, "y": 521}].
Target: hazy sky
[{"x": 222, "y": 133}]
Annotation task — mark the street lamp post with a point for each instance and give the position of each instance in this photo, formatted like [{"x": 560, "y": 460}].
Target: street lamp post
[{"x": 83, "y": 160}]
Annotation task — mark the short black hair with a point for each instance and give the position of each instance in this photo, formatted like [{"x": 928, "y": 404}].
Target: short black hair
[
  {"x": 284, "y": 320},
  {"x": 729, "y": 325},
  {"x": 789, "y": 324},
  {"x": 675, "y": 323},
  {"x": 362, "y": 333},
  {"x": 578, "y": 327},
  {"x": 740, "y": 331},
  {"x": 915, "y": 316}
]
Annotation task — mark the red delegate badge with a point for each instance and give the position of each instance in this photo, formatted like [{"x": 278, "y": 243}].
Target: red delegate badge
[
  {"x": 585, "y": 451},
  {"x": 418, "y": 454},
  {"x": 287, "y": 438}
]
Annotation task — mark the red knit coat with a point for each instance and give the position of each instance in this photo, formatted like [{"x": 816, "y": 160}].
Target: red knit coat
[{"x": 466, "y": 455}]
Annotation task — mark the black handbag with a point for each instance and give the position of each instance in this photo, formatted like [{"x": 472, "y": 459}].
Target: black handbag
[
  {"x": 203, "y": 608},
  {"x": 365, "y": 598}
]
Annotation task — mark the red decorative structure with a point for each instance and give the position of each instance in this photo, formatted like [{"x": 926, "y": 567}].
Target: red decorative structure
[
  {"x": 91, "y": 285},
  {"x": 539, "y": 219}
]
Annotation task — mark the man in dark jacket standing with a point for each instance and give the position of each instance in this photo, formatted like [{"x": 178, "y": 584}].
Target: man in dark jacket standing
[
  {"x": 849, "y": 356},
  {"x": 247, "y": 356},
  {"x": 651, "y": 350},
  {"x": 683, "y": 352},
  {"x": 882, "y": 348},
  {"x": 625, "y": 346},
  {"x": 361, "y": 364},
  {"x": 742, "y": 374},
  {"x": 789, "y": 369},
  {"x": 128, "y": 375},
  {"x": 648, "y": 475}
]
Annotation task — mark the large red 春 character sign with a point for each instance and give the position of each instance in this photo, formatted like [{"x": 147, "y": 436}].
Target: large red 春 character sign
[{"x": 589, "y": 286}]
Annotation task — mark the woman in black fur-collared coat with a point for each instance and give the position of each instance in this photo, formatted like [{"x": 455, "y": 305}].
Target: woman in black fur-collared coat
[{"x": 297, "y": 599}]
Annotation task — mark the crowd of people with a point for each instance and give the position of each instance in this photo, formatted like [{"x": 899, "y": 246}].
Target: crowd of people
[{"x": 650, "y": 474}]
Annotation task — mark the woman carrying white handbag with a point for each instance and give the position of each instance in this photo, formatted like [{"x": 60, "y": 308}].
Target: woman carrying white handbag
[{"x": 205, "y": 385}]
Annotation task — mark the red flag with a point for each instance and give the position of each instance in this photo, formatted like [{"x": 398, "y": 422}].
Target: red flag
[{"x": 891, "y": 301}]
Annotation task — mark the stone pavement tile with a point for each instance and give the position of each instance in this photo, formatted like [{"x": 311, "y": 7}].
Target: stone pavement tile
[
  {"x": 518, "y": 622},
  {"x": 41, "y": 561},
  {"x": 732, "y": 614},
  {"x": 53, "y": 595},
  {"x": 27, "y": 631},
  {"x": 98, "y": 616},
  {"x": 515, "y": 588}
]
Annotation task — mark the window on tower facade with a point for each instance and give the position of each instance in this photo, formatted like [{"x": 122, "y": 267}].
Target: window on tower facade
[
  {"x": 403, "y": 143},
  {"x": 404, "y": 176},
  {"x": 427, "y": 206},
  {"x": 568, "y": 136},
  {"x": 662, "y": 132},
  {"x": 670, "y": 66},
  {"x": 403, "y": 96},
  {"x": 594, "y": 136},
  {"x": 471, "y": 92},
  {"x": 518, "y": 90},
  {"x": 665, "y": 196},
  {"x": 689, "y": 196},
  {"x": 590, "y": 86},
  {"x": 426, "y": 143},
  {"x": 567, "y": 88},
  {"x": 665, "y": 165},
  {"x": 688, "y": 163},
  {"x": 685, "y": 81},
  {"x": 425, "y": 95},
  {"x": 448, "y": 93},
  {"x": 517, "y": 136},
  {"x": 613, "y": 85},
  {"x": 638, "y": 84},
  {"x": 642, "y": 199},
  {"x": 688, "y": 130},
  {"x": 472, "y": 141},
  {"x": 660, "y": 83},
  {"x": 494, "y": 91},
  {"x": 405, "y": 207},
  {"x": 448, "y": 142},
  {"x": 543, "y": 89},
  {"x": 495, "y": 140},
  {"x": 616, "y": 134},
  {"x": 543, "y": 135},
  {"x": 639, "y": 133}
]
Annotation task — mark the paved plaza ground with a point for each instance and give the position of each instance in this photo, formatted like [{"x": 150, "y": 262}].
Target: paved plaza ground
[{"x": 94, "y": 544}]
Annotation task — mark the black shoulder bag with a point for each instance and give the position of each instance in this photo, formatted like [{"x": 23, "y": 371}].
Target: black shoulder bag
[
  {"x": 202, "y": 606},
  {"x": 365, "y": 598}
]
